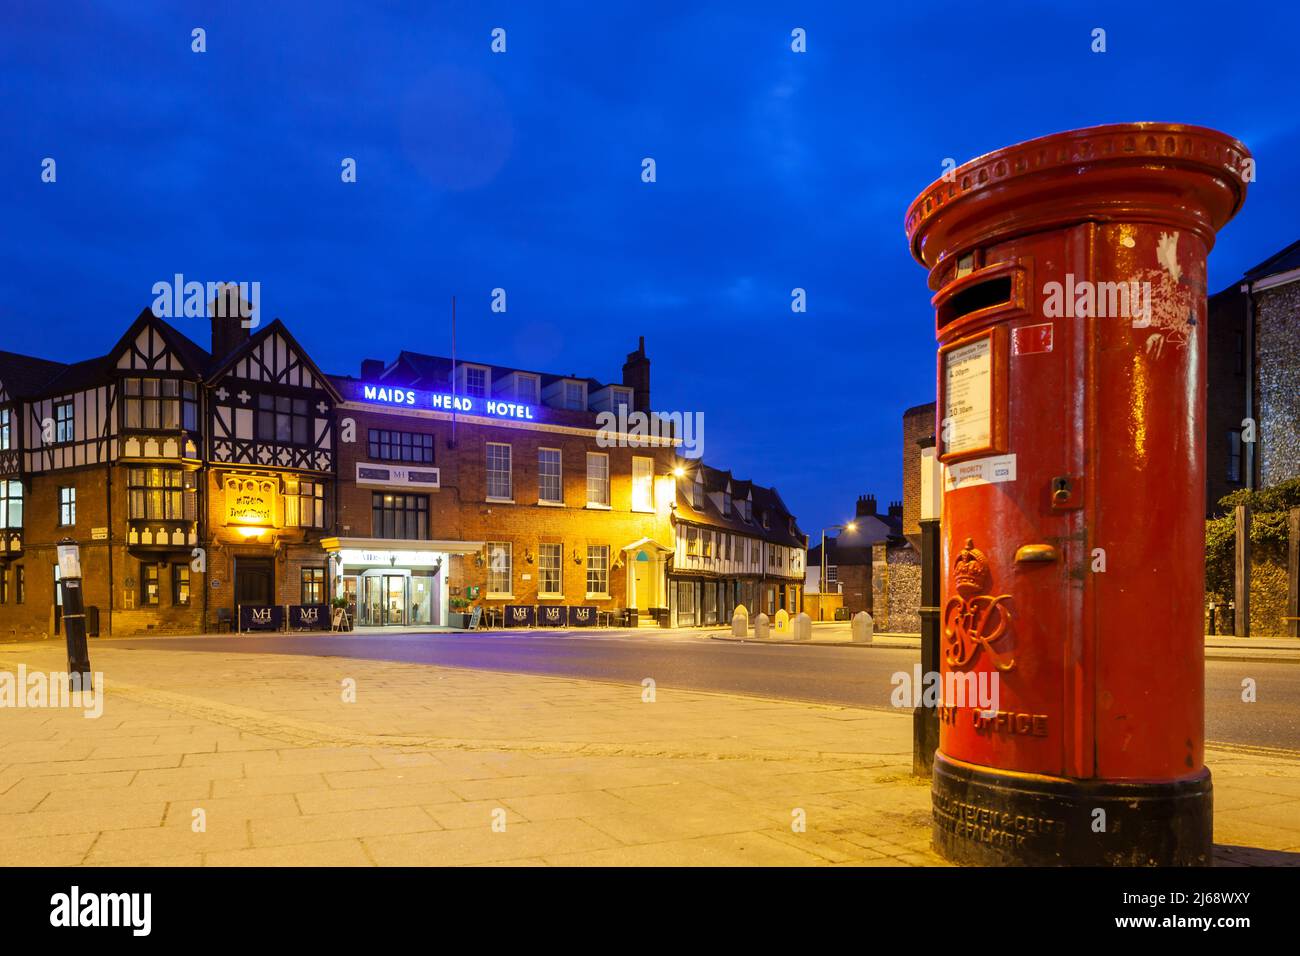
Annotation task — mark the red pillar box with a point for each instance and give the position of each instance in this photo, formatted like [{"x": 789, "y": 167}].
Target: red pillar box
[{"x": 1069, "y": 280}]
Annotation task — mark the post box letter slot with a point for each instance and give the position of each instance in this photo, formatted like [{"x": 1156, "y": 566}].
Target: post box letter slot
[{"x": 983, "y": 295}]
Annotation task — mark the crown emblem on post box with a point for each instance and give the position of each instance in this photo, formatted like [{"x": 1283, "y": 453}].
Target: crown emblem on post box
[
  {"x": 973, "y": 619},
  {"x": 971, "y": 569}
]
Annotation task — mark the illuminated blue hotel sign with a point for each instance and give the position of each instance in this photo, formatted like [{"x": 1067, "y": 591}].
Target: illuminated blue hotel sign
[{"x": 443, "y": 402}]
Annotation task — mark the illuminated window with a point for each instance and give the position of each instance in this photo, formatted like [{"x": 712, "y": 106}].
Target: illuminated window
[
  {"x": 67, "y": 507},
  {"x": 597, "y": 570},
  {"x": 500, "y": 576},
  {"x": 550, "y": 575},
  {"x": 149, "y": 589},
  {"x": 181, "y": 585},
  {"x": 550, "y": 485},
  {"x": 304, "y": 503},
  {"x": 597, "y": 479},
  {"x": 6, "y": 433},
  {"x": 11, "y": 504},
  {"x": 643, "y": 484},
  {"x": 400, "y": 516},
  {"x": 313, "y": 585},
  {"x": 155, "y": 494},
  {"x": 64, "y": 424},
  {"x": 499, "y": 484}
]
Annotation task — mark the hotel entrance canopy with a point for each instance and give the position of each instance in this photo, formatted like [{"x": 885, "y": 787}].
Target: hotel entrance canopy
[{"x": 358, "y": 553}]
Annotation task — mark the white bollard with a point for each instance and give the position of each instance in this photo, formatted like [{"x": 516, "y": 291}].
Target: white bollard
[
  {"x": 740, "y": 622},
  {"x": 760, "y": 627},
  {"x": 782, "y": 623},
  {"x": 862, "y": 628},
  {"x": 802, "y": 627}
]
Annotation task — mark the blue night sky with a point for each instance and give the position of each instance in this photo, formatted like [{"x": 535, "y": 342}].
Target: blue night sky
[{"x": 522, "y": 171}]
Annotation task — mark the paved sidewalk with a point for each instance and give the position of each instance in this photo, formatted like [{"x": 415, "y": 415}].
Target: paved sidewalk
[{"x": 429, "y": 762}]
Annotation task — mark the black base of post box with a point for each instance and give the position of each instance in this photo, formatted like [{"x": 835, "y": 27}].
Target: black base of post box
[{"x": 983, "y": 817}]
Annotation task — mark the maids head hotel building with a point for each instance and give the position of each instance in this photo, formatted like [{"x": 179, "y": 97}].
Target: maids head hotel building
[{"x": 242, "y": 486}]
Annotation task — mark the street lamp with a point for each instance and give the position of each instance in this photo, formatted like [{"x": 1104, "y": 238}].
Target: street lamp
[{"x": 821, "y": 585}]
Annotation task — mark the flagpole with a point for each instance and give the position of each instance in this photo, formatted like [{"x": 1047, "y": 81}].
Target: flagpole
[{"x": 453, "y": 372}]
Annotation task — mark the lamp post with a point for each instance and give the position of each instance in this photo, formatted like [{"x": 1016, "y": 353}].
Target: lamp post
[
  {"x": 74, "y": 612},
  {"x": 821, "y": 584},
  {"x": 925, "y": 720}
]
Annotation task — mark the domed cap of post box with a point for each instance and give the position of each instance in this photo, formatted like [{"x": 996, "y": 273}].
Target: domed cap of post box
[{"x": 1189, "y": 177}]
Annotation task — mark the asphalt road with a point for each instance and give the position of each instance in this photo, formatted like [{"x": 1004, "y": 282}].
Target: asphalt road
[{"x": 852, "y": 676}]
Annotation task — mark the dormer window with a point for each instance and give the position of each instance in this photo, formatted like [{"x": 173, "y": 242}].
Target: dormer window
[
  {"x": 726, "y": 502},
  {"x": 526, "y": 387},
  {"x": 697, "y": 491},
  {"x": 747, "y": 509},
  {"x": 621, "y": 398},
  {"x": 575, "y": 396},
  {"x": 766, "y": 522},
  {"x": 475, "y": 381}
]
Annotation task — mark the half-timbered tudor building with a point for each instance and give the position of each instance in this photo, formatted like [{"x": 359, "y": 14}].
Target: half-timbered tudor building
[
  {"x": 271, "y": 467},
  {"x": 736, "y": 544},
  {"x": 191, "y": 483}
]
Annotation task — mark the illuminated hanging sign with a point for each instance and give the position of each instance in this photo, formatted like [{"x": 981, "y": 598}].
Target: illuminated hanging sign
[
  {"x": 251, "y": 501},
  {"x": 444, "y": 402}
]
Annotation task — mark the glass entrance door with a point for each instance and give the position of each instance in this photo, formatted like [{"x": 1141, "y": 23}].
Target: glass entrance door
[
  {"x": 385, "y": 599},
  {"x": 395, "y": 599}
]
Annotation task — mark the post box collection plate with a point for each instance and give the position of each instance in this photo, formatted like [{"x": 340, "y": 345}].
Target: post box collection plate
[{"x": 1068, "y": 275}]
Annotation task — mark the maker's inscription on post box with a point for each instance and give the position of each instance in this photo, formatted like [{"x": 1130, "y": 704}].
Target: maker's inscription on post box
[{"x": 968, "y": 397}]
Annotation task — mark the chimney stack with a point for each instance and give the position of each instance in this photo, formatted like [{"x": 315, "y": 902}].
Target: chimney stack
[
  {"x": 371, "y": 369},
  {"x": 226, "y": 312},
  {"x": 895, "y": 509},
  {"x": 866, "y": 506},
  {"x": 636, "y": 375}
]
